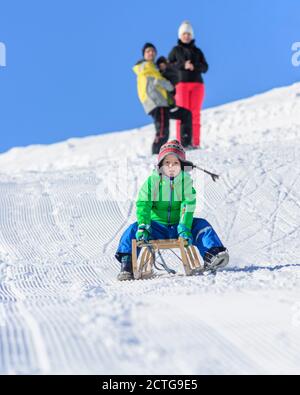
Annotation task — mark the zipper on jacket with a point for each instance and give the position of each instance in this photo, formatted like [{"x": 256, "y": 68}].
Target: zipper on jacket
[
  {"x": 183, "y": 214},
  {"x": 170, "y": 201}
]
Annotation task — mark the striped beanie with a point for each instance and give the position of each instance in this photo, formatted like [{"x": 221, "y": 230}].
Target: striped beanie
[{"x": 173, "y": 148}]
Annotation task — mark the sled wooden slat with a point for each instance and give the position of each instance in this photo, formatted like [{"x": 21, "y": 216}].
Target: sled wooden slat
[
  {"x": 148, "y": 261},
  {"x": 185, "y": 261},
  {"x": 191, "y": 258},
  {"x": 196, "y": 259},
  {"x": 142, "y": 264},
  {"x": 142, "y": 268},
  {"x": 148, "y": 272},
  {"x": 162, "y": 244},
  {"x": 134, "y": 257}
]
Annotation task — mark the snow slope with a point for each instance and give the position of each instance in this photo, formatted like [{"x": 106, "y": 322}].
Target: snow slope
[{"x": 61, "y": 308}]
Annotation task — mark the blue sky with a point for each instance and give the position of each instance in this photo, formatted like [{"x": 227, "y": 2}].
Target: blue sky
[{"x": 68, "y": 71}]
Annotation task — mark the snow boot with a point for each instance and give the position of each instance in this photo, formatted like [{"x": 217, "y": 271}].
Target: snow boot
[
  {"x": 186, "y": 141},
  {"x": 126, "y": 272},
  {"x": 216, "y": 258},
  {"x": 192, "y": 147}
]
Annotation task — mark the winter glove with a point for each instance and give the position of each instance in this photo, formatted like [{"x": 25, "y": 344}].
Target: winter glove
[
  {"x": 143, "y": 233},
  {"x": 185, "y": 233}
]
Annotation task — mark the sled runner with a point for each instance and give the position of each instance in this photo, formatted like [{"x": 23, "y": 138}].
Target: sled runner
[{"x": 143, "y": 267}]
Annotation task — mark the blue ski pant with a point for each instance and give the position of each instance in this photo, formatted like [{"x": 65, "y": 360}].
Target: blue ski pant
[{"x": 204, "y": 236}]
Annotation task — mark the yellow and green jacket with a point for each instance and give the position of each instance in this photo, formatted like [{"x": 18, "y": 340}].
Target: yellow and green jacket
[
  {"x": 167, "y": 201},
  {"x": 152, "y": 87}
]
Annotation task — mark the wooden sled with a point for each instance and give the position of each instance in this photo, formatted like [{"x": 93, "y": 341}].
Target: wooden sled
[{"x": 143, "y": 267}]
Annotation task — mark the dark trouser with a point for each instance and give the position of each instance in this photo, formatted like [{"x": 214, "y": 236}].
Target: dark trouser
[
  {"x": 161, "y": 119},
  {"x": 162, "y": 116},
  {"x": 185, "y": 116}
]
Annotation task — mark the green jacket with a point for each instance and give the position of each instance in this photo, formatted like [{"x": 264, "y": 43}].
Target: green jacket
[{"x": 167, "y": 201}]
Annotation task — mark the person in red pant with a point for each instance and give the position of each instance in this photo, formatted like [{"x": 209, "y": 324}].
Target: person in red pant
[{"x": 190, "y": 63}]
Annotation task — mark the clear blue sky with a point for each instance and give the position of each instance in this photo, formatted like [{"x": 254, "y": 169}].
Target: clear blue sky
[{"x": 69, "y": 62}]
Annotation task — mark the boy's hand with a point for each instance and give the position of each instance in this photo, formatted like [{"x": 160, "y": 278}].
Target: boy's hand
[
  {"x": 143, "y": 233},
  {"x": 185, "y": 233}
]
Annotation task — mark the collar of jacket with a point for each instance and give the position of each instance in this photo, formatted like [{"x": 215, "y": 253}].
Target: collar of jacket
[
  {"x": 145, "y": 61},
  {"x": 167, "y": 179},
  {"x": 140, "y": 62},
  {"x": 144, "y": 64},
  {"x": 190, "y": 45}
]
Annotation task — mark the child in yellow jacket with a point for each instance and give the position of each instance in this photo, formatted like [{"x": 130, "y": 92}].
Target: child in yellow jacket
[{"x": 153, "y": 92}]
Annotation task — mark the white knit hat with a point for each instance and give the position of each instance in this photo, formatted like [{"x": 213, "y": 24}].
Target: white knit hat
[{"x": 185, "y": 27}]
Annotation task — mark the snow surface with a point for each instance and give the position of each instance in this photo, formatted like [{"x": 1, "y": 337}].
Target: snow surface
[{"x": 64, "y": 207}]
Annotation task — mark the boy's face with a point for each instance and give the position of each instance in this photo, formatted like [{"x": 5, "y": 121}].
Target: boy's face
[
  {"x": 149, "y": 54},
  {"x": 171, "y": 166},
  {"x": 162, "y": 66}
]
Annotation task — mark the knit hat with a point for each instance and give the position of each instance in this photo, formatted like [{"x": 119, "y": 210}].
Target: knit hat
[
  {"x": 185, "y": 27},
  {"x": 173, "y": 148},
  {"x": 148, "y": 45}
]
